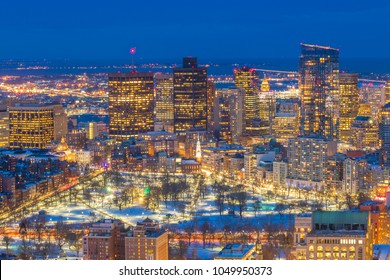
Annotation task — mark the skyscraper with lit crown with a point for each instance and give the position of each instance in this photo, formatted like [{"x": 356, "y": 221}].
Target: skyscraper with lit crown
[
  {"x": 248, "y": 80},
  {"x": 319, "y": 89}
]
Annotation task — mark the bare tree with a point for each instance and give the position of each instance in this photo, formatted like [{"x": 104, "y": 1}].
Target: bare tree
[
  {"x": 204, "y": 228},
  {"x": 61, "y": 231},
  {"x": 257, "y": 206},
  {"x": 189, "y": 230}
]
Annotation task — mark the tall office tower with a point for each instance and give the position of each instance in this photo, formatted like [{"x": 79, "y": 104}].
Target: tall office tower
[
  {"x": 319, "y": 87},
  {"x": 307, "y": 157},
  {"x": 189, "y": 96},
  {"x": 131, "y": 104},
  {"x": 105, "y": 241},
  {"x": 164, "y": 102},
  {"x": 146, "y": 241},
  {"x": 4, "y": 126},
  {"x": 35, "y": 125},
  {"x": 92, "y": 130},
  {"x": 212, "y": 115},
  {"x": 387, "y": 92},
  {"x": 267, "y": 103},
  {"x": 349, "y": 104},
  {"x": 384, "y": 135},
  {"x": 225, "y": 119},
  {"x": 247, "y": 79},
  {"x": 230, "y": 113}
]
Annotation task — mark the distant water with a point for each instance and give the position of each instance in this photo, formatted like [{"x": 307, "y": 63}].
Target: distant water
[
  {"x": 92, "y": 118},
  {"x": 217, "y": 67}
]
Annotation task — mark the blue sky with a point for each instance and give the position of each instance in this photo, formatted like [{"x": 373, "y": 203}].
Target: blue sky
[{"x": 209, "y": 29}]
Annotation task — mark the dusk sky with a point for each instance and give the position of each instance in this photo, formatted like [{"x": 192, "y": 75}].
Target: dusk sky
[{"x": 209, "y": 29}]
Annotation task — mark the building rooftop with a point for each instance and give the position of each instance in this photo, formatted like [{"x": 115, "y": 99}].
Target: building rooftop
[{"x": 235, "y": 251}]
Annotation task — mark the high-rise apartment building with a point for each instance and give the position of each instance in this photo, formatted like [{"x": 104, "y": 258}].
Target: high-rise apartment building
[
  {"x": 319, "y": 90},
  {"x": 248, "y": 80},
  {"x": 349, "y": 104},
  {"x": 164, "y": 102},
  {"x": 146, "y": 241},
  {"x": 189, "y": 96},
  {"x": 36, "y": 125},
  {"x": 105, "y": 241},
  {"x": 307, "y": 157},
  {"x": 131, "y": 104}
]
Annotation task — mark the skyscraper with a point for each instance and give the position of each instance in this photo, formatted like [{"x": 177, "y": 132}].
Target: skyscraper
[
  {"x": 384, "y": 134},
  {"x": 164, "y": 102},
  {"x": 387, "y": 92},
  {"x": 319, "y": 86},
  {"x": 247, "y": 79},
  {"x": 36, "y": 125},
  {"x": 349, "y": 104},
  {"x": 211, "y": 106},
  {"x": 4, "y": 126},
  {"x": 190, "y": 96},
  {"x": 267, "y": 103},
  {"x": 307, "y": 157},
  {"x": 131, "y": 104}
]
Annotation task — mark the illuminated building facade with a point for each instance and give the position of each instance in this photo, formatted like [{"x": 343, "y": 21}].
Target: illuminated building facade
[
  {"x": 267, "y": 103},
  {"x": 164, "y": 102},
  {"x": 225, "y": 120},
  {"x": 92, "y": 130},
  {"x": 285, "y": 126},
  {"x": 159, "y": 141},
  {"x": 146, "y": 241},
  {"x": 105, "y": 241},
  {"x": 364, "y": 133},
  {"x": 339, "y": 235},
  {"x": 307, "y": 157},
  {"x": 230, "y": 114},
  {"x": 131, "y": 104},
  {"x": 211, "y": 106},
  {"x": 36, "y": 125},
  {"x": 4, "y": 127},
  {"x": 190, "y": 96},
  {"x": 384, "y": 135},
  {"x": 248, "y": 80},
  {"x": 387, "y": 92},
  {"x": 349, "y": 104},
  {"x": 303, "y": 224},
  {"x": 354, "y": 175},
  {"x": 319, "y": 89}
]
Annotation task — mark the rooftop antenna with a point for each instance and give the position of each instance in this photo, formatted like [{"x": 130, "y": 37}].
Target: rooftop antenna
[{"x": 132, "y": 52}]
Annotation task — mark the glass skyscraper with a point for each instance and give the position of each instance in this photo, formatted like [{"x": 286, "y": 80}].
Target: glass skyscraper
[
  {"x": 319, "y": 89},
  {"x": 131, "y": 104},
  {"x": 189, "y": 96}
]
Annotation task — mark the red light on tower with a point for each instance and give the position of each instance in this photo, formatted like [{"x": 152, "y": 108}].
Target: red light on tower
[{"x": 132, "y": 52}]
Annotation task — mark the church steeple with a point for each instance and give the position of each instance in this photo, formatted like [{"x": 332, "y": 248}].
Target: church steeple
[{"x": 198, "y": 153}]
